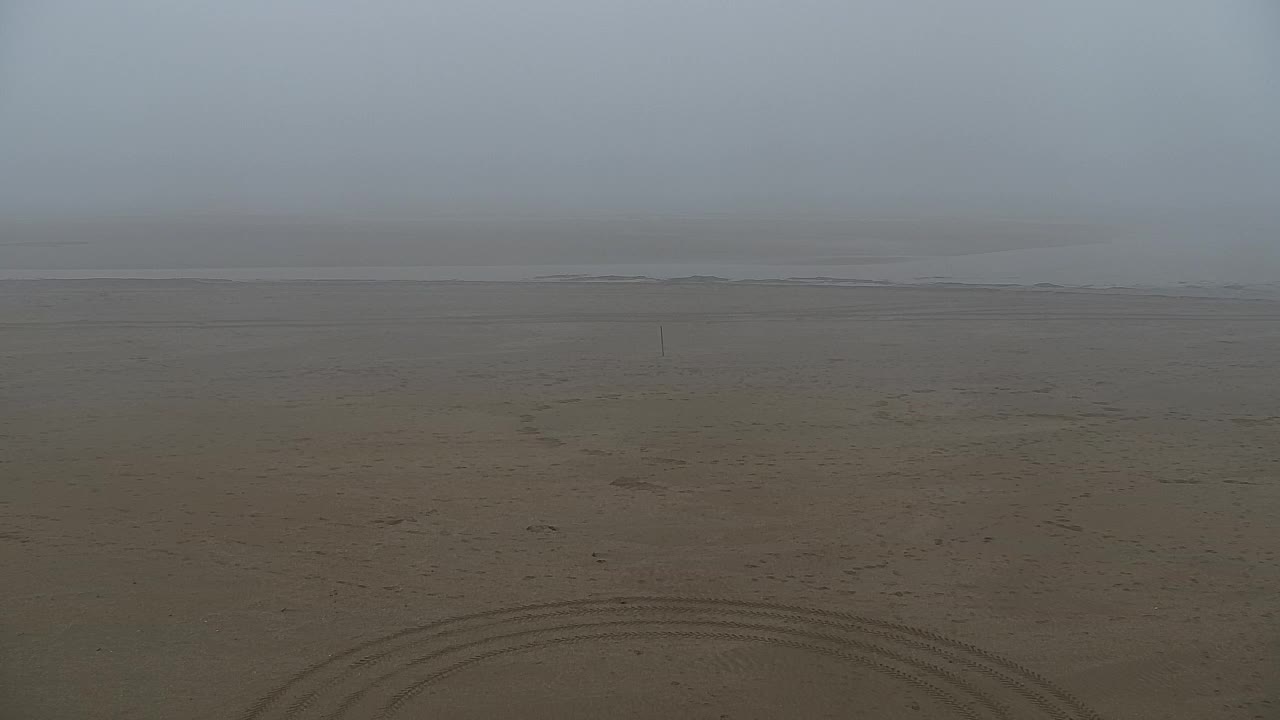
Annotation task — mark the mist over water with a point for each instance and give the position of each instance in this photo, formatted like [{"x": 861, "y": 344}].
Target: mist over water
[
  {"x": 1192, "y": 258},
  {"x": 1228, "y": 269},
  {"x": 1081, "y": 143}
]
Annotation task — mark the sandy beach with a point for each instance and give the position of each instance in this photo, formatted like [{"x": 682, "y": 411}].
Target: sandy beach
[{"x": 253, "y": 501}]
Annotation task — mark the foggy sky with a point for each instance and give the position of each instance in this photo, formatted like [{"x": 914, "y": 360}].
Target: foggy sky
[{"x": 409, "y": 107}]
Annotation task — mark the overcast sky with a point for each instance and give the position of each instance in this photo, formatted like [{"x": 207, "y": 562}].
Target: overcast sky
[{"x": 407, "y": 107}]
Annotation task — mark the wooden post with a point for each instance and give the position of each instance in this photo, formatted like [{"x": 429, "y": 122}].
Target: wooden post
[{"x": 662, "y": 341}]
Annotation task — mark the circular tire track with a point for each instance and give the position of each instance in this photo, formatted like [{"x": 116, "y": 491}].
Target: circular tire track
[{"x": 381, "y": 677}]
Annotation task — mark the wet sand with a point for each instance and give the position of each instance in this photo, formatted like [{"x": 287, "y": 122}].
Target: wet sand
[{"x": 228, "y": 500}]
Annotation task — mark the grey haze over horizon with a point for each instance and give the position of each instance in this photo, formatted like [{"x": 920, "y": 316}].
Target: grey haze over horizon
[
  {"x": 407, "y": 107},
  {"x": 289, "y": 130}
]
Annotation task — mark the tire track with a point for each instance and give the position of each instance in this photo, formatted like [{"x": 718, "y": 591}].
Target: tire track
[
  {"x": 983, "y": 698},
  {"x": 942, "y": 696},
  {"x": 934, "y": 664},
  {"x": 1013, "y": 684}
]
